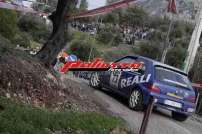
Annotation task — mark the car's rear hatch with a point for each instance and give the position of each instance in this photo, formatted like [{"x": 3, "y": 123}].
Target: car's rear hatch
[{"x": 174, "y": 84}]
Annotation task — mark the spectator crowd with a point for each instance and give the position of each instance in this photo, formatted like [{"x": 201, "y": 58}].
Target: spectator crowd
[{"x": 129, "y": 34}]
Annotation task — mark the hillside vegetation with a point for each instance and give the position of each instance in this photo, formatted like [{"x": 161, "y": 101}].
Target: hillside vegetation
[
  {"x": 17, "y": 118},
  {"x": 33, "y": 99}
]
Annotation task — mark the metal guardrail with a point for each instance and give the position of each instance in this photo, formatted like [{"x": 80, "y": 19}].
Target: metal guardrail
[{"x": 197, "y": 85}]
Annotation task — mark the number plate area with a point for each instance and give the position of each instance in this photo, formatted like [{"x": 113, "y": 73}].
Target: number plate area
[{"x": 173, "y": 103}]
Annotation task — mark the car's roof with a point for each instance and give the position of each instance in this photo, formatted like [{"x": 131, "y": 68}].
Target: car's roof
[{"x": 157, "y": 63}]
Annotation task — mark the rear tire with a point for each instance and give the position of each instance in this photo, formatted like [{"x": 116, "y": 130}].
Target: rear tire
[
  {"x": 135, "y": 101},
  {"x": 179, "y": 117},
  {"x": 95, "y": 80}
]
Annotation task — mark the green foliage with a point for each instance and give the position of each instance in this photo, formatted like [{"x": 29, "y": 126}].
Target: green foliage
[
  {"x": 83, "y": 5},
  {"x": 110, "y": 1},
  {"x": 116, "y": 39},
  {"x": 134, "y": 16},
  {"x": 82, "y": 49},
  {"x": 148, "y": 49},
  {"x": 158, "y": 36},
  {"x": 196, "y": 71},
  {"x": 183, "y": 42},
  {"x": 113, "y": 55},
  {"x": 35, "y": 26},
  {"x": 112, "y": 18},
  {"x": 49, "y": 8},
  {"x": 105, "y": 37},
  {"x": 21, "y": 119},
  {"x": 5, "y": 45},
  {"x": 109, "y": 36},
  {"x": 180, "y": 34},
  {"x": 8, "y": 23},
  {"x": 178, "y": 30},
  {"x": 176, "y": 56},
  {"x": 188, "y": 28},
  {"x": 158, "y": 22},
  {"x": 23, "y": 39},
  {"x": 81, "y": 45}
]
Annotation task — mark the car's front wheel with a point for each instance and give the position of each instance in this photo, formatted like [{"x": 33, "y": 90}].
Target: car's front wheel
[
  {"x": 95, "y": 80},
  {"x": 136, "y": 100},
  {"x": 178, "y": 116}
]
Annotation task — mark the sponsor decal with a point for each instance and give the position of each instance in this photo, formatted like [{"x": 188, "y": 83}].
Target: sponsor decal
[
  {"x": 115, "y": 77},
  {"x": 135, "y": 80},
  {"x": 99, "y": 65}
]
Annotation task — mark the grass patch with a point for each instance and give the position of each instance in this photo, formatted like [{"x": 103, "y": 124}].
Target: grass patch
[
  {"x": 5, "y": 45},
  {"x": 21, "y": 119}
]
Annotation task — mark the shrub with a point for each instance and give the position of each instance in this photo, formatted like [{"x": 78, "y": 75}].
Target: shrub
[
  {"x": 8, "y": 23},
  {"x": 163, "y": 28},
  {"x": 156, "y": 22},
  {"x": 23, "y": 39},
  {"x": 116, "y": 39},
  {"x": 112, "y": 18},
  {"x": 189, "y": 28},
  {"x": 134, "y": 16},
  {"x": 80, "y": 36},
  {"x": 183, "y": 42},
  {"x": 82, "y": 49},
  {"x": 5, "y": 45},
  {"x": 158, "y": 36},
  {"x": 113, "y": 55},
  {"x": 35, "y": 26},
  {"x": 176, "y": 56},
  {"x": 149, "y": 49},
  {"x": 81, "y": 45},
  {"x": 105, "y": 37},
  {"x": 109, "y": 36},
  {"x": 178, "y": 30}
]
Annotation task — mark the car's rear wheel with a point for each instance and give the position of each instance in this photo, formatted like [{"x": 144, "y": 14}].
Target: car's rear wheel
[
  {"x": 136, "y": 100},
  {"x": 178, "y": 116},
  {"x": 95, "y": 80}
]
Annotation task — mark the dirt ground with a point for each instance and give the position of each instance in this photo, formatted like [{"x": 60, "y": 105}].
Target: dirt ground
[{"x": 23, "y": 78}]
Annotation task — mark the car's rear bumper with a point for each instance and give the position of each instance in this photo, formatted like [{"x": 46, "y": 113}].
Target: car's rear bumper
[{"x": 187, "y": 108}]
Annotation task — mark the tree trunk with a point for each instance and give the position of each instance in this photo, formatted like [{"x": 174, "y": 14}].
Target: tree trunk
[{"x": 58, "y": 38}]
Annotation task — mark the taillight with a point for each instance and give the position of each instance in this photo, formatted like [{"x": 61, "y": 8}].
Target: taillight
[
  {"x": 154, "y": 88},
  {"x": 192, "y": 99}
]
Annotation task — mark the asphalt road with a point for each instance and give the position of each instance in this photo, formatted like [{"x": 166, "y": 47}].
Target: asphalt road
[{"x": 160, "y": 121}]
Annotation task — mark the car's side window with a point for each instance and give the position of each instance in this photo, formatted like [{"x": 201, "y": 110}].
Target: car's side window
[
  {"x": 114, "y": 78},
  {"x": 144, "y": 67},
  {"x": 116, "y": 75},
  {"x": 127, "y": 60},
  {"x": 131, "y": 60}
]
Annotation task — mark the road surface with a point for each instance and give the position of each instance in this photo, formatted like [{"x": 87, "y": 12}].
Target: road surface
[{"x": 160, "y": 121}]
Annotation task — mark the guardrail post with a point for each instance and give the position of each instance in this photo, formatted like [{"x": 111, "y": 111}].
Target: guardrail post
[
  {"x": 147, "y": 116},
  {"x": 199, "y": 107}
]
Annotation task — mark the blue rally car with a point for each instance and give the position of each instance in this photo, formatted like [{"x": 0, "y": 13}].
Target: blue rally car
[{"x": 169, "y": 86}]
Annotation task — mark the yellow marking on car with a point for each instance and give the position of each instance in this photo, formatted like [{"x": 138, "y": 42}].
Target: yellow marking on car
[{"x": 173, "y": 95}]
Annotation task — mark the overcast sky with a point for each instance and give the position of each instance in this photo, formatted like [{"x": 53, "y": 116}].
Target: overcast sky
[
  {"x": 96, "y": 3},
  {"x": 91, "y": 3}
]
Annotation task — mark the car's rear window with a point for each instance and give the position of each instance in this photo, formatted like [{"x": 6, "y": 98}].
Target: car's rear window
[{"x": 172, "y": 78}]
